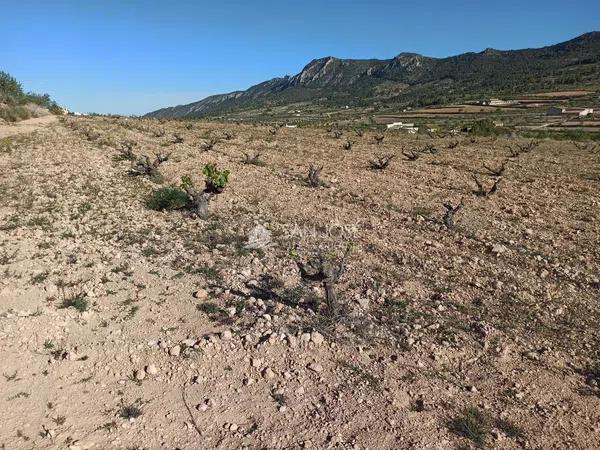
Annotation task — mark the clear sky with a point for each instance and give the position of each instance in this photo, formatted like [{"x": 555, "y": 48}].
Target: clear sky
[{"x": 134, "y": 56}]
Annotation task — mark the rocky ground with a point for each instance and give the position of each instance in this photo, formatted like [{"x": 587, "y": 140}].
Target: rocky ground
[{"x": 128, "y": 328}]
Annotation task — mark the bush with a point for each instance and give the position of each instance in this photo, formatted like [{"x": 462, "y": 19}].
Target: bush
[
  {"x": 14, "y": 113},
  {"x": 167, "y": 198},
  {"x": 484, "y": 127}
]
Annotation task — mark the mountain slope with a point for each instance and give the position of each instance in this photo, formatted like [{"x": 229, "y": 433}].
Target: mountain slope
[{"x": 414, "y": 80}]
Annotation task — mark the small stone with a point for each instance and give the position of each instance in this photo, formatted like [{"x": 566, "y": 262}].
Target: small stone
[
  {"x": 532, "y": 355},
  {"x": 316, "y": 367},
  {"x": 317, "y": 338},
  {"x": 292, "y": 340},
  {"x": 226, "y": 335},
  {"x": 139, "y": 375},
  {"x": 498, "y": 249},
  {"x": 175, "y": 351},
  {"x": 151, "y": 369},
  {"x": 305, "y": 337},
  {"x": 363, "y": 302},
  {"x": 268, "y": 373},
  {"x": 200, "y": 294},
  {"x": 234, "y": 427},
  {"x": 256, "y": 362}
]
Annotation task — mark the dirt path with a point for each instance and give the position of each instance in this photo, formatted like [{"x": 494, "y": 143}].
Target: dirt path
[{"x": 26, "y": 126}]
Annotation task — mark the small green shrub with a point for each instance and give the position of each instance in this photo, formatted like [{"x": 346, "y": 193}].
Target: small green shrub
[
  {"x": 78, "y": 301},
  {"x": 209, "y": 308},
  {"x": 476, "y": 425},
  {"x": 214, "y": 312},
  {"x": 131, "y": 411},
  {"x": 40, "y": 277},
  {"x": 472, "y": 424},
  {"x": 215, "y": 179},
  {"x": 167, "y": 198}
]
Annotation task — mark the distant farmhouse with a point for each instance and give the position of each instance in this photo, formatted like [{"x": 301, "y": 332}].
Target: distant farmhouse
[
  {"x": 498, "y": 102},
  {"x": 409, "y": 127},
  {"x": 579, "y": 112}
]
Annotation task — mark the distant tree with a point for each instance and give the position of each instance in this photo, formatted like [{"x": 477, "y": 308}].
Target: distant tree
[{"x": 10, "y": 89}]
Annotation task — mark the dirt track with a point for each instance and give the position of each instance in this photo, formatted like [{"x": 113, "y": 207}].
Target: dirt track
[{"x": 27, "y": 126}]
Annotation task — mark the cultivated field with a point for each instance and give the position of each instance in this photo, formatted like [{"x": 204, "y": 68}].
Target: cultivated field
[{"x": 126, "y": 327}]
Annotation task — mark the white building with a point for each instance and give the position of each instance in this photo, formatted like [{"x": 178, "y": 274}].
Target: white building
[
  {"x": 586, "y": 112},
  {"x": 410, "y": 127},
  {"x": 498, "y": 102},
  {"x": 396, "y": 125}
]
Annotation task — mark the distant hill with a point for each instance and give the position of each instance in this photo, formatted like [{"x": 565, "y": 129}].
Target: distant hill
[{"x": 414, "y": 80}]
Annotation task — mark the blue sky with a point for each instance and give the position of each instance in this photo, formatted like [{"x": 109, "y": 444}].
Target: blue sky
[{"x": 134, "y": 56}]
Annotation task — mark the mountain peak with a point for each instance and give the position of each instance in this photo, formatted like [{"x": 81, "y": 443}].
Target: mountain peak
[
  {"x": 317, "y": 69},
  {"x": 405, "y": 55},
  {"x": 491, "y": 52}
]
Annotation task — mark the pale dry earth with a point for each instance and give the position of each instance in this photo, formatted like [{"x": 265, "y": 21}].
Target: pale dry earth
[
  {"x": 212, "y": 345},
  {"x": 26, "y": 126}
]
